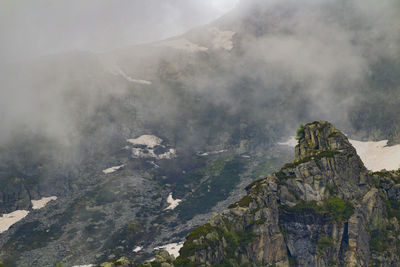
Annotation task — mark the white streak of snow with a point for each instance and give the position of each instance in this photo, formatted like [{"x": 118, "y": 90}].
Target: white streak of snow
[
  {"x": 173, "y": 203},
  {"x": 7, "y": 220},
  {"x": 212, "y": 153},
  {"x": 137, "y": 249},
  {"x": 112, "y": 169},
  {"x": 41, "y": 203},
  {"x": 123, "y": 74}
]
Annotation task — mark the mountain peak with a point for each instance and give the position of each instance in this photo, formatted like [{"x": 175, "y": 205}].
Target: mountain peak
[{"x": 320, "y": 136}]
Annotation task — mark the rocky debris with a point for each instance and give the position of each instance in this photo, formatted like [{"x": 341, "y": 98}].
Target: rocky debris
[{"x": 322, "y": 209}]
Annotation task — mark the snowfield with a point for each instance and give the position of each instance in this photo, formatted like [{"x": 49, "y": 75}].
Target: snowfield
[
  {"x": 375, "y": 155},
  {"x": 41, "y": 203},
  {"x": 7, "y": 220},
  {"x": 173, "y": 203}
]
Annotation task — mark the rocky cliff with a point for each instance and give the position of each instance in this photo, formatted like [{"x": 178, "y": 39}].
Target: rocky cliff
[{"x": 323, "y": 209}]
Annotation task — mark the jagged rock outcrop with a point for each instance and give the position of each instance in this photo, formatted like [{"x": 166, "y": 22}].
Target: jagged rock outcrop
[{"x": 323, "y": 209}]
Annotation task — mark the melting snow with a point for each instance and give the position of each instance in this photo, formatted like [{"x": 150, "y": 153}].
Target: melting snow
[
  {"x": 41, "y": 203},
  {"x": 146, "y": 140},
  {"x": 183, "y": 44},
  {"x": 137, "y": 249},
  {"x": 7, "y": 220},
  {"x": 150, "y": 142},
  {"x": 173, "y": 248},
  {"x": 173, "y": 203},
  {"x": 375, "y": 155},
  {"x": 112, "y": 169}
]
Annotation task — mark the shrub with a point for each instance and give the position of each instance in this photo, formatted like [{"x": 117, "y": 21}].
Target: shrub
[{"x": 339, "y": 209}]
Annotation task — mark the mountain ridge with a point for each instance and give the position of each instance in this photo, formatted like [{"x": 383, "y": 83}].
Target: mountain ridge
[{"x": 323, "y": 209}]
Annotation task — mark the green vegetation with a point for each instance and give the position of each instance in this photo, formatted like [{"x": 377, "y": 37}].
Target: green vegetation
[
  {"x": 209, "y": 237},
  {"x": 318, "y": 156},
  {"x": 256, "y": 182},
  {"x": 379, "y": 241},
  {"x": 300, "y": 132},
  {"x": 338, "y": 209},
  {"x": 324, "y": 242},
  {"x": 393, "y": 208},
  {"x": 222, "y": 179},
  {"x": 244, "y": 202},
  {"x": 304, "y": 207}
]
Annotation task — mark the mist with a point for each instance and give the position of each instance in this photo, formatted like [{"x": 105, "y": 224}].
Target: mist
[
  {"x": 31, "y": 29},
  {"x": 291, "y": 62}
]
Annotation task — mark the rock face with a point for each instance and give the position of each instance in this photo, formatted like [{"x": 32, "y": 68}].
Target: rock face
[{"x": 322, "y": 209}]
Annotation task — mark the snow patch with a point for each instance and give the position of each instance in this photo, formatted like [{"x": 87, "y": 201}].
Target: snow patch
[
  {"x": 173, "y": 203},
  {"x": 145, "y": 146},
  {"x": 376, "y": 156},
  {"x": 211, "y": 153},
  {"x": 112, "y": 169},
  {"x": 147, "y": 140},
  {"x": 183, "y": 44},
  {"x": 87, "y": 265},
  {"x": 7, "y": 220},
  {"x": 137, "y": 249},
  {"x": 41, "y": 203},
  {"x": 173, "y": 248}
]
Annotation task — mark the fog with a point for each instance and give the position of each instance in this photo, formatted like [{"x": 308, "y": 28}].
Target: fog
[
  {"x": 291, "y": 62},
  {"x": 33, "y": 28}
]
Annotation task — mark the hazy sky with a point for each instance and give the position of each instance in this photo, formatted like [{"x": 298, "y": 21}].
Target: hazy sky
[{"x": 36, "y": 27}]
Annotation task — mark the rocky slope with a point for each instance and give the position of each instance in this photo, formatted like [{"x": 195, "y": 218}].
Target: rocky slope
[
  {"x": 323, "y": 209},
  {"x": 237, "y": 85}
]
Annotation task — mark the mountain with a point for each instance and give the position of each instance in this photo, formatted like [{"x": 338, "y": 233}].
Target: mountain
[
  {"x": 119, "y": 137},
  {"x": 323, "y": 209}
]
